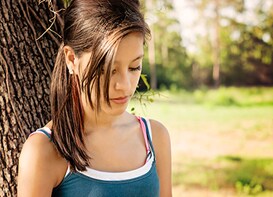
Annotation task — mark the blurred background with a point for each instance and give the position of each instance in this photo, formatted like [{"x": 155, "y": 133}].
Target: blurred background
[
  {"x": 210, "y": 65},
  {"x": 210, "y": 43}
]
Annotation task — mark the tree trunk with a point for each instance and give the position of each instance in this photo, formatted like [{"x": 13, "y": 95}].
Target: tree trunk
[
  {"x": 216, "y": 47},
  {"x": 151, "y": 49},
  {"x": 151, "y": 55},
  {"x": 164, "y": 52},
  {"x": 25, "y": 68}
]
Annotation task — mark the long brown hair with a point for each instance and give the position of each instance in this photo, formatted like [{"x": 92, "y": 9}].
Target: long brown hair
[{"x": 95, "y": 26}]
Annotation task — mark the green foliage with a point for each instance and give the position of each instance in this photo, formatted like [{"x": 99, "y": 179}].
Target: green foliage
[
  {"x": 244, "y": 64},
  {"x": 145, "y": 81},
  {"x": 248, "y": 188},
  {"x": 246, "y": 56},
  {"x": 144, "y": 97},
  {"x": 223, "y": 96},
  {"x": 172, "y": 67},
  {"x": 244, "y": 97},
  {"x": 250, "y": 176},
  {"x": 246, "y": 176}
]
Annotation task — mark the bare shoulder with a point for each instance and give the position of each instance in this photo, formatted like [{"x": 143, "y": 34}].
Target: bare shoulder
[
  {"x": 160, "y": 133},
  {"x": 162, "y": 146},
  {"x": 37, "y": 148},
  {"x": 161, "y": 139},
  {"x": 40, "y": 167}
]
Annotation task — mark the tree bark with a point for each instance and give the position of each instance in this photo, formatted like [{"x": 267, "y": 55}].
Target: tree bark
[{"x": 25, "y": 68}]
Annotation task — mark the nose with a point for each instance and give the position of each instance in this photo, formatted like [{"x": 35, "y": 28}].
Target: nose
[{"x": 123, "y": 82}]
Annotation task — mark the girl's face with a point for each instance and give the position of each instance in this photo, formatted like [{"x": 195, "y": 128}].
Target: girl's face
[{"x": 125, "y": 74}]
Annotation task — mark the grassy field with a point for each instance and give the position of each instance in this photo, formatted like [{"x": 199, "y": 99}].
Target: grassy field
[{"x": 222, "y": 140}]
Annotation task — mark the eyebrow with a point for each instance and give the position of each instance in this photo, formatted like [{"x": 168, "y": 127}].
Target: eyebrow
[{"x": 137, "y": 58}]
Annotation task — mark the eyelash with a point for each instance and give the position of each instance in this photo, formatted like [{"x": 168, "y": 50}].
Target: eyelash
[
  {"x": 136, "y": 68},
  {"x": 131, "y": 69}
]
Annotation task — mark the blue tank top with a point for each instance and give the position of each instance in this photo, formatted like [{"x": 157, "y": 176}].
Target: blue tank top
[{"x": 141, "y": 182}]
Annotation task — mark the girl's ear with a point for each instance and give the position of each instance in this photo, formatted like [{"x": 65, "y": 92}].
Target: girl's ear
[{"x": 71, "y": 60}]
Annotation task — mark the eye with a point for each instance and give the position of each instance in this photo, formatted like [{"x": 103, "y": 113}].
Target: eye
[{"x": 138, "y": 68}]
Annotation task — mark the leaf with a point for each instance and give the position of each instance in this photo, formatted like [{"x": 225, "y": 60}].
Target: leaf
[{"x": 144, "y": 79}]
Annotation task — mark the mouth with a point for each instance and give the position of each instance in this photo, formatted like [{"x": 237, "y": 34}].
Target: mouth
[{"x": 120, "y": 100}]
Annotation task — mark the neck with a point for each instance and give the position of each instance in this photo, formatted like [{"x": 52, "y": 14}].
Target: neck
[{"x": 96, "y": 121}]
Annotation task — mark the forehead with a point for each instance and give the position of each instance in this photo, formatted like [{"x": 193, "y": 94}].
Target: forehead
[{"x": 130, "y": 47}]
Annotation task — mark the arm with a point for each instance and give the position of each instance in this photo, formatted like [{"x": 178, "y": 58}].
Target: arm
[
  {"x": 162, "y": 146},
  {"x": 38, "y": 165}
]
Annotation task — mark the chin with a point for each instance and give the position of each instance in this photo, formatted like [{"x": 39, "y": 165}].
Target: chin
[{"x": 116, "y": 110}]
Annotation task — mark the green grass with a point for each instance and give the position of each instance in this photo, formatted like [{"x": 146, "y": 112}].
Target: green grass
[
  {"x": 252, "y": 111},
  {"x": 231, "y": 96},
  {"x": 245, "y": 176},
  {"x": 244, "y": 97},
  {"x": 256, "y": 121},
  {"x": 242, "y": 114}
]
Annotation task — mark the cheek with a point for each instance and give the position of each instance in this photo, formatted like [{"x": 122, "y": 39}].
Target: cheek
[
  {"x": 136, "y": 79},
  {"x": 133, "y": 80}
]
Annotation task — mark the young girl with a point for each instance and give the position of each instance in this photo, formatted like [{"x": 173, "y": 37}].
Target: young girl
[{"x": 92, "y": 146}]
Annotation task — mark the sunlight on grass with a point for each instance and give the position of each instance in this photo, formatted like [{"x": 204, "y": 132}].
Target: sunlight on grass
[
  {"x": 245, "y": 176},
  {"x": 221, "y": 140}
]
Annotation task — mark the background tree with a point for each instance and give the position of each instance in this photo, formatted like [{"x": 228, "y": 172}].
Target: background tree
[
  {"x": 244, "y": 46},
  {"x": 249, "y": 57},
  {"x": 168, "y": 58},
  {"x": 26, "y": 63},
  {"x": 151, "y": 46}
]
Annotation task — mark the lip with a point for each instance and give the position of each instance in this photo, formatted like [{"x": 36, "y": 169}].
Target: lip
[{"x": 120, "y": 100}]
